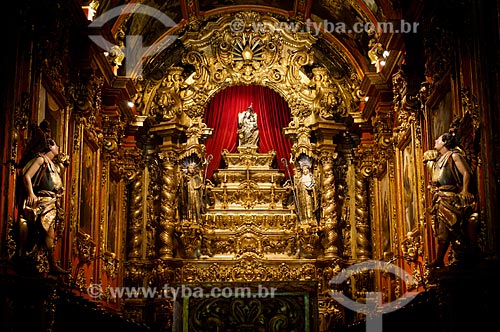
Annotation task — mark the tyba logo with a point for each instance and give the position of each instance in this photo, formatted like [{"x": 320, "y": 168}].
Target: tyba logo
[
  {"x": 134, "y": 52},
  {"x": 373, "y": 308}
]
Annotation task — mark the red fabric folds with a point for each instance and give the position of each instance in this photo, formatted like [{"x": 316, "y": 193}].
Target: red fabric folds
[{"x": 221, "y": 114}]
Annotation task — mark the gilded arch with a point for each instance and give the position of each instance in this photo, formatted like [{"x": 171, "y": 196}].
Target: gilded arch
[{"x": 250, "y": 48}]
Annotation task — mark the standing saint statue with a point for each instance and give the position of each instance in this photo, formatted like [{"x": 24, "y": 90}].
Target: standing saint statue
[
  {"x": 43, "y": 188},
  {"x": 307, "y": 193},
  {"x": 454, "y": 219},
  {"x": 192, "y": 186},
  {"x": 248, "y": 132}
]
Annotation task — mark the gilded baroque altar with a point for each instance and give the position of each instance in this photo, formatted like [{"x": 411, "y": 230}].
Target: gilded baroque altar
[
  {"x": 250, "y": 215},
  {"x": 253, "y": 228}
]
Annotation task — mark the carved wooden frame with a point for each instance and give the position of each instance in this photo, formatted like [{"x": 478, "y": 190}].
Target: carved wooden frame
[
  {"x": 88, "y": 185},
  {"x": 302, "y": 293},
  {"x": 384, "y": 197},
  {"x": 407, "y": 183},
  {"x": 112, "y": 197}
]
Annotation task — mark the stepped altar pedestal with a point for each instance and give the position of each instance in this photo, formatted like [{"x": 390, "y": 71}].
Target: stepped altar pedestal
[
  {"x": 250, "y": 229},
  {"x": 248, "y": 208}
]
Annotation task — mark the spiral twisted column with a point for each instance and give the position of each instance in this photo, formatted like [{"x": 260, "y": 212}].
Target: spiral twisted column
[
  {"x": 363, "y": 244},
  {"x": 167, "y": 209},
  {"x": 135, "y": 236},
  {"x": 329, "y": 207}
]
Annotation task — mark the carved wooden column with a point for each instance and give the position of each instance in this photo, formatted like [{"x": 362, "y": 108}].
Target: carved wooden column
[
  {"x": 362, "y": 215},
  {"x": 167, "y": 210},
  {"x": 134, "y": 231},
  {"x": 325, "y": 131},
  {"x": 168, "y": 155},
  {"x": 363, "y": 246},
  {"x": 329, "y": 216}
]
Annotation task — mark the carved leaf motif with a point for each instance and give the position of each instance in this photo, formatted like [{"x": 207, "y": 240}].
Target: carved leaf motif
[{"x": 246, "y": 312}]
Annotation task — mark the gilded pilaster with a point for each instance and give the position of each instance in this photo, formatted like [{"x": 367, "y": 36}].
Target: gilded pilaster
[{"x": 406, "y": 105}]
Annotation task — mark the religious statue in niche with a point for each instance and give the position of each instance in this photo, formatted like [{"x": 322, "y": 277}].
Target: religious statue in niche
[
  {"x": 192, "y": 186},
  {"x": 42, "y": 215},
  {"x": 307, "y": 193},
  {"x": 248, "y": 131},
  {"x": 455, "y": 219}
]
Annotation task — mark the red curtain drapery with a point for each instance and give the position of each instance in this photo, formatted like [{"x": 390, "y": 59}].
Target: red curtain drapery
[{"x": 221, "y": 114}]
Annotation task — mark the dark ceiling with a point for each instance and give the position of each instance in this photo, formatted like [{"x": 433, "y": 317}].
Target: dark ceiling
[{"x": 333, "y": 49}]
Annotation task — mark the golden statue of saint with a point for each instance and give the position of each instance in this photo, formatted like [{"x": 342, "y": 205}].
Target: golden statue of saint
[
  {"x": 192, "y": 203},
  {"x": 307, "y": 193}
]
